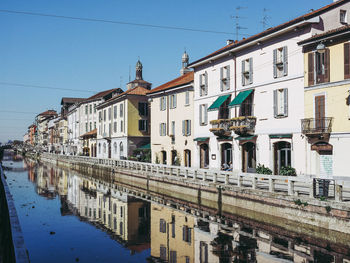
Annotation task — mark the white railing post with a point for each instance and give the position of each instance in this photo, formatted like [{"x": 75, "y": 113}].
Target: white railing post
[
  {"x": 338, "y": 192},
  {"x": 186, "y": 173},
  {"x": 254, "y": 182},
  {"x": 239, "y": 180},
  {"x": 271, "y": 184},
  {"x": 195, "y": 174},
  {"x": 215, "y": 178},
  {"x": 290, "y": 187},
  {"x": 226, "y": 178},
  {"x": 204, "y": 177}
]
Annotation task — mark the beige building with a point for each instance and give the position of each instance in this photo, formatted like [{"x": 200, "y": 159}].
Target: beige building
[{"x": 172, "y": 120}]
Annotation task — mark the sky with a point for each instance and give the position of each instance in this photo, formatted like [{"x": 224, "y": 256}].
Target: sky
[{"x": 79, "y": 58}]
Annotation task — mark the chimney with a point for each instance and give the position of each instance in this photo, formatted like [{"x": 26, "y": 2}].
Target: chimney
[{"x": 229, "y": 41}]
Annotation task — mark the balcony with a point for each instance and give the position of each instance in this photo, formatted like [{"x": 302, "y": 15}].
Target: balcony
[
  {"x": 240, "y": 125},
  {"x": 316, "y": 127},
  {"x": 243, "y": 125}
]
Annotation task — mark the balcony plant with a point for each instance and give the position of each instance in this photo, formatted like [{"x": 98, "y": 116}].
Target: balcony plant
[
  {"x": 261, "y": 169},
  {"x": 217, "y": 121},
  {"x": 287, "y": 171}
]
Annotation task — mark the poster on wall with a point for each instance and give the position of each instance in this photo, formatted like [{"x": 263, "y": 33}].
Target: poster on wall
[{"x": 326, "y": 166}]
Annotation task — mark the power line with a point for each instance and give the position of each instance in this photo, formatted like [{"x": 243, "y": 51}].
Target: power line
[
  {"x": 22, "y": 112},
  {"x": 43, "y": 87},
  {"x": 114, "y": 22}
]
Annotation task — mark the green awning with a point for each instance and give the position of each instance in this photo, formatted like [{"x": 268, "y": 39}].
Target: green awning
[
  {"x": 280, "y": 136},
  {"x": 245, "y": 138},
  {"x": 201, "y": 139},
  {"x": 240, "y": 98},
  {"x": 224, "y": 138},
  {"x": 147, "y": 146},
  {"x": 217, "y": 103}
]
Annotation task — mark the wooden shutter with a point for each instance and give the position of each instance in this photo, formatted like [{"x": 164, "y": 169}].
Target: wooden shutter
[
  {"x": 200, "y": 85},
  {"x": 285, "y": 61},
  {"x": 184, "y": 233},
  {"x": 183, "y": 128},
  {"x": 221, "y": 79},
  {"x": 347, "y": 60},
  {"x": 200, "y": 114},
  {"x": 250, "y": 70},
  {"x": 274, "y": 63},
  {"x": 189, "y": 127},
  {"x": 228, "y": 77},
  {"x": 206, "y": 114},
  {"x": 206, "y": 83},
  {"x": 189, "y": 235},
  {"x": 175, "y": 102},
  {"x": 326, "y": 65},
  {"x": 311, "y": 69},
  {"x": 275, "y": 103},
  {"x": 243, "y": 67},
  {"x": 285, "y": 93}
]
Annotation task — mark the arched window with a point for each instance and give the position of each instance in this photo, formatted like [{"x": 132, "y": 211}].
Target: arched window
[
  {"x": 115, "y": 147},
  {"x": 114, "y": 209},
  {"x": 121, "y": 150},
  {"x": 99, "y": 148},
  {"x": 104, "y": 147}
]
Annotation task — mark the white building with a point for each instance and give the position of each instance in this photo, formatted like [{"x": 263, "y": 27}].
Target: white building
[{"x": 249, "y": 97}]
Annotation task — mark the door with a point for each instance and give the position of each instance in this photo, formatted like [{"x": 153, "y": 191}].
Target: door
[
  {"x": 226, "y": 155},
  {"x": 187, "y": 158},
  {"x": 204, "y": 156},
  {"x": 320, "y": 113},
  {"x": 282, "y": 156},
  {"x": 163, "y": 157},
  {"x": 248, "y": 157}
]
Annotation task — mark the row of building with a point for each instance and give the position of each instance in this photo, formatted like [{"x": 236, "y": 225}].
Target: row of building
[{"x": 279, "y": 98}]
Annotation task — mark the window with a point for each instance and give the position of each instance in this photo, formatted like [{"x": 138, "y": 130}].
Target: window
[
  {"x": 104, "y": 147},
  {"x": 115, "y": 126},
  {"x": 162, "y": 129},
  {"x": 90, "y": 126},
  {"x": 115, "y": 152},
  {"x": 172, "y": 258},
  {"x": 203, "y": 84},
  {"x": 186, "y": 234},
  {"x": 121, "y": 110},
  {"x": 95, "y": 125},
  {"x": 162, "y": 252},
  {"x": 90, "y": 108},
  {"x": 121, "y": 150},
  {"x": 121, "y": 126},
  {"x": 143, "y": 125},
  {"x": 104, "y": 115},
  {"x": 162, "y": 103},
  {"x": 280, "y": 103},
  {"x": 187, "y": 259},
  {"x": 203, "y": 114},
  {"x": 225, "y": 78},
  {"x": 100, "y": 115},
  {"x": 187, "y": 98},
  {"x": 343, "y": 17},
  {"x": 186, "y": 127},
  {"x": 95, "y": 108},
  {"x": 318, "y": 67},
  {"x": 280, "y": 62},
  {"x": 121, "y": 211},
  {"x": 247, "y": 71},
  {"x": 86, "y": 127},
  {"x": 203, "y": 252},
  {"x": 99, "y": 148},
  {"x": 143, "y": 109},
  {"x": 173, "y": 101},
  {"x": 121, "y": 228},
  {"x": 347, "y": 60},
  {"x": 246, "y": 108},
  {"x": 86, "y": 109},
  {"x": 172, "y": 128},
  {"x": 173, "y": 226},
  {"x": 109, "y": 113},
  {"x": 115, "y": 111},
  {"x": 162, "y": 226}
]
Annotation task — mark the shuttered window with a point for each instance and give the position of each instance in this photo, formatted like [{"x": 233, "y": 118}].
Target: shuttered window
[
  {"x": 280, "y": 62},
  {"x": 173, "y": 101},
  {"x": 247, "y": 71},
  {"x": 311, "y": 69},
  {"x": 162, "y": 252},
  {"x": 203, "y": 114},
  {"x": 187, "y": 98},
  {"x": 162, "y": 226},
  {"x": 203, "y": 84},
  {"x": 172, "y": 258},
  {"x": 322, "y": 67},
  {"x": 346, "y": 60},
  {"x": 162, "y": 103},
  {"x": 186, "y": 234},
  {"x": 143, "y": 109},
  {"x": 280, "y": 103},
  {"x": 225, "y": 78},
  {"x": 115, "y": 111},
  {"x": 162, "y": 129},
  {"x": 186, "y": 127}
]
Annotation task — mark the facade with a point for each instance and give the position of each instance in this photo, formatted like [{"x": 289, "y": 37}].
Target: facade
[
  {"x": 123, "y": 123},
  {"x": 73, "y": 119},
  {"x": 42, "y": 132},
  {"x": 171, "y": 106},
  {"x": 327, "y": 112},
  {"x": 248, "y": 99}
]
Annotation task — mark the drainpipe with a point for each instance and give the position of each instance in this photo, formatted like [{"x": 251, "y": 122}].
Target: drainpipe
[{"x": 235, "y": 77}]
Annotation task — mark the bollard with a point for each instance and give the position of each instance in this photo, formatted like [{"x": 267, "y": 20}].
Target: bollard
[
  {"x": 290, "y": 187},
  {"x": 338, "y": 193}
]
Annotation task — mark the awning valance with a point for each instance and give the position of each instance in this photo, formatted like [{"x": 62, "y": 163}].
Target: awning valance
[
  {"x": 281, "y": 136},
  {"x": 240, "y": 98},
  {"x": 245, "y": 138},
  {"x": 201, "y": 139},
  {"x": 147, "y": 146},
  {"x": 218, "y": 102}
]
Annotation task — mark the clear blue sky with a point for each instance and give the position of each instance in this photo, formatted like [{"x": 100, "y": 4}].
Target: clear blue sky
[{"x": 91, "y": 56}]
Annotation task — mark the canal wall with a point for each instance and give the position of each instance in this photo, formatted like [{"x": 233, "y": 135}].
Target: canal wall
[
  {"x": 12, "y": 247},
  {"x": 225, "y": 199}
]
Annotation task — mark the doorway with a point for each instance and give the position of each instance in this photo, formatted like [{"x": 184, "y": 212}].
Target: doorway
[
  {"x": 174, "y": 159},
  {"x": 187, "y": 158},
  {"x": 204, "y": 155},
  {"x": 248, "y": 157},
  {"x": 226, "y": 155},
  {"x": 163, "y": 153},
  {"x": 282, "y": 156}
]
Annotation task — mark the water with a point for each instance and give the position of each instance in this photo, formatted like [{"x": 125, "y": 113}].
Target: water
[{"x": 69, "y": 217}]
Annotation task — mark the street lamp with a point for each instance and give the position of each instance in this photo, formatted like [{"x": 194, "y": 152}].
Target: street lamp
[{"x": 321, "y": 48}]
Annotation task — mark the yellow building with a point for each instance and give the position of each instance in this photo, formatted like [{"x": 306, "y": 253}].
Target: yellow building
[
  {"x": 172, "y": 109},
  {"x": 172, "y": 235},
  {"x": 326, "y": 123}
]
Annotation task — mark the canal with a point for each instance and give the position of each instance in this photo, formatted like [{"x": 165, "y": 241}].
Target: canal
[{"x": 70, "y": 217}]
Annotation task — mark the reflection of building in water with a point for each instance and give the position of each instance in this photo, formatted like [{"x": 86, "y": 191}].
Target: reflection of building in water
[
  {"x": 204, "y": 234},
  {"x": 126, "y": 218},
  {"x": 172, "y": 236},
  {"x": 50, "y": 181}
]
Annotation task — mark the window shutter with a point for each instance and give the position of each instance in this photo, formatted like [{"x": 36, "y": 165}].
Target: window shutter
[
  {"x": 206, "y": 83},
  {"x": 189, "y": 127},
  {"x": 228, "y": 76},
  {"x": 250, "y": 70},
  {"x": 274, "y": 63},
  {"x": 160, "y": 226},
  {"x": 183, "y": 128},
  {"x": 160, "y": 103},
  {"x": 206, "y": 114},
  {"x": 160, "y": 129},
  {"x": 285, "y": 61},
  {"x": 275, "y": 103},
  {"x": 200, "y": 114},
  {"x": 189, "y": 235},
  {"x": 221, "y": 77},
  {"x": 327, "y": 65},
  {"x": 187, "y": 97},
  {"x": 311, "y": 69},
  {"x": 347, "y": 60},
  {"x": 200, "y": 85},
  {"x": 285, "y": 93},
  {"x": 243, "y": 67},
  {"x": 184, "y": 233},
  {"x": 175, "y": 103}
]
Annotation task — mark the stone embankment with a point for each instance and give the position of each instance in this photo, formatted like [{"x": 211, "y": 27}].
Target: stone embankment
[{"x": 271, "y": 199}]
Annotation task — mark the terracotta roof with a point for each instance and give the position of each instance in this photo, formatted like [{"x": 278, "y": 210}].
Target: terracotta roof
[
  {"x": 102, "y": 94},
  {"x": 90, "y": 133},
  {"x": 48, "y": 113},
  {"x": 325, "y": 34},
  {"x": 71, "y": 100},
  {"x": 184, "y": 79},
  {"x": 273, "y": 29}
]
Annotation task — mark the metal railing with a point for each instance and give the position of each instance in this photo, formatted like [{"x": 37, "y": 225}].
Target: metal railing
[
  {"x": 239, "y": 125},
  {"x": 289, "y": 185},
  {"x": 316, "y": 125}
]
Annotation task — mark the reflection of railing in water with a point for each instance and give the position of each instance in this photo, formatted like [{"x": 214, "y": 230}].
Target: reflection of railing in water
[{"x": 288, "y": 185}]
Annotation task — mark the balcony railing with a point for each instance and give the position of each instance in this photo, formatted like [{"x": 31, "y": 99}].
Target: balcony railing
[
  {"x": 312, "y": 126},
  {"x": 240, "y": 125}
]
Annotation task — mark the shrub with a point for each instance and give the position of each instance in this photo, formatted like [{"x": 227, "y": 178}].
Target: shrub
[
  {"x": 288, "y": 171},
  {"x": 261, "y": 169}
]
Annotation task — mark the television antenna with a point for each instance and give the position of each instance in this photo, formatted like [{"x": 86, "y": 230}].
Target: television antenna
[
  {"x": 265, "y": 19},
  {"x": 236, "y": 17}
]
